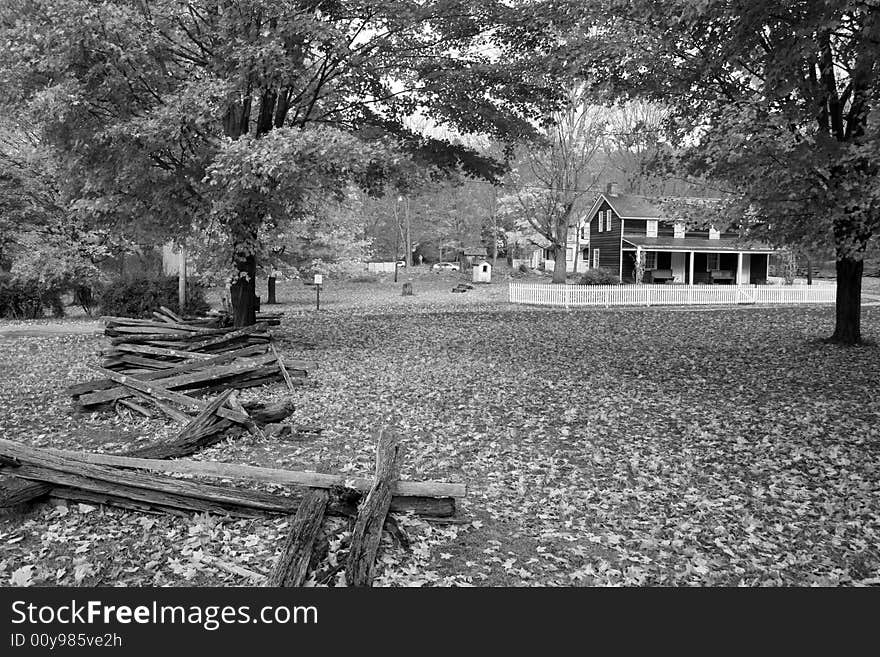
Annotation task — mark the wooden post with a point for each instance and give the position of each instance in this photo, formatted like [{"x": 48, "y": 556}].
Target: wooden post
[
  {"x": 739, "y": 268},
  {"x": 181, "y": 280},
  {"x": 371, "y": 517},
  {"x": 271, "y": 286},
  {"x": 292, "y": 566},
  {"x": 691, "y": 268}
]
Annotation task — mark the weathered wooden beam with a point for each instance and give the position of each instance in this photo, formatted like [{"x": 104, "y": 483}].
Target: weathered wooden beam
[
  {"x": 367, "y": 532},
  {"x": 189, "y": 379},
  {"x": 283, "y": 369},
  {"x": 219, "y": 359},
  {"x": 269, "y": 413},
  {"x": 162, "y": 351},
  {"x": 254, "y": 473},
  {"x": 52, "y": 467},
  {"x": 292, "y": 567},
  {"x": 173, "y": 315},
  {"x": 154, "y": 389},
  {"x": 247, "y": 331},
  {"x": 137, "y": 408},
  {"x": 15, "y": 492}
]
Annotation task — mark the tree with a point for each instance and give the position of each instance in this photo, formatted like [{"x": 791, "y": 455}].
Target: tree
[
  {"x": 174, "y": 115},
  {"x": 778, "y": 102},
  {"x": 554, "y": 180}
]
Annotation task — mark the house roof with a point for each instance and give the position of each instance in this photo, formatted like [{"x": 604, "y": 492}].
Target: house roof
[
  {"x": 630, "y": 206},
  {"x": 699, "y": 244}
]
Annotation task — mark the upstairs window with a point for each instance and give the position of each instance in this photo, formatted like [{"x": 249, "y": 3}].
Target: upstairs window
[
  {"x": 607, "y": 219},
  {"x": 678, "y": 230},
  {"x": 714, "y": 234},
  {"x": 651, "y": 228},
  {"x": 601, "y": 216}
]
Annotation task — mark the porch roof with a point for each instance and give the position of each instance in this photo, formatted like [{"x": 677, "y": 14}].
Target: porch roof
[{"x": 697, "y": 244}]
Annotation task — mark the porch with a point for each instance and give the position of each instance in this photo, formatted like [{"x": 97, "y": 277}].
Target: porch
[{"x": 699, "y": 265}]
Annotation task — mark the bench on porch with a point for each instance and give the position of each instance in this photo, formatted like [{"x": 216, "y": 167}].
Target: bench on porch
[
  {"x": 661, "y": 275},
  {"x": 722, "y": 275}
]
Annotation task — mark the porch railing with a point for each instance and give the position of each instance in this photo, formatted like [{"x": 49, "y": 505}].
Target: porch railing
[{"x": 668, "y": 295}]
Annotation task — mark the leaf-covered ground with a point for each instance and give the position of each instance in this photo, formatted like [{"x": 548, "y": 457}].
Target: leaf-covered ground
[{"x": 631, "y": 446}]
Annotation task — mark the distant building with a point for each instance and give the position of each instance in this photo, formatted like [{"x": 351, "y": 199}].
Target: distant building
[{"x": 623, "y": 227}]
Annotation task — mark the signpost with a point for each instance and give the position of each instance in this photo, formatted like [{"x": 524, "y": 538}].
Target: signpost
[{"x": 319, "y": 279}]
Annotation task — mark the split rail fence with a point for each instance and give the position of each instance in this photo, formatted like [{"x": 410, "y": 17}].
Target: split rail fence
[{"x": 668, "y": 295}]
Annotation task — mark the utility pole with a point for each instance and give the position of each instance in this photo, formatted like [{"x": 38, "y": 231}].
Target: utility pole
[
  {"x": 396, "y": 236},
  {"x": 181, "y": 279},
  {"x": 494, "y": 228},
  {"x": 406, "y": 219}
]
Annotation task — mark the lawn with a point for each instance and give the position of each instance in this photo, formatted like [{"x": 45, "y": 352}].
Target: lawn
[{"x": 643, "y": 446}]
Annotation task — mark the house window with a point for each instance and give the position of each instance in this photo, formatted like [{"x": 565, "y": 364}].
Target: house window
[
  {"x": 583, "y": 233},
  {"x": 595, "y": 258},
  {"x": 651, "y": 228},
  {"x": 607, "y": 219},
  {"x": 714, "y": 234},
  {"x": 569, "y": 254},
  {"x": 601, "y": 216},
  {"x": 713, "y": 261},
  {"x": 678, "y": 230},
  {"x": 650, "y": 260}
]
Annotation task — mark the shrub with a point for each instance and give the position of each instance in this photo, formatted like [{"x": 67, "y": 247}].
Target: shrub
[
  {"x": 598, "y": 277},
  {"x": 524, "y": 268},
  {"x": 27, "y": 298},
  {"x": 139, "y": 296}
]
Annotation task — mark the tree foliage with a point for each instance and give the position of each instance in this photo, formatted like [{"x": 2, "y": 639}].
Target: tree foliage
[
  {"x": 554, "y": 181},
  {"x": 777, "y": 101},
  {"x": 162, "y": 111}
]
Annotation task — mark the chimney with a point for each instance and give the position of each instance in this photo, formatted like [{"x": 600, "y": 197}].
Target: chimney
[{"x": 611, "y": 189}]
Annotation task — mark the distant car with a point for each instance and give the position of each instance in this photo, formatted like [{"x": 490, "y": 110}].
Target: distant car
[{"x": 445, "y": 266}]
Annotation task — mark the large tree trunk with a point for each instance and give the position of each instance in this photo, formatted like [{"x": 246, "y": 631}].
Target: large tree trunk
[
  {"x": 847, "y": 328},
  {"x": 243, "y": 289},
  {"x": 559, "y": 272}
]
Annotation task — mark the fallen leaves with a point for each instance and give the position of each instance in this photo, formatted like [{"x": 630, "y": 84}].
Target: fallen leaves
[{"x": 606, "y": 447}]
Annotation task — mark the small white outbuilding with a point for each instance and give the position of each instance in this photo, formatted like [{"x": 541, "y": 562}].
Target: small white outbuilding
[{"x": 482, "y": 272}]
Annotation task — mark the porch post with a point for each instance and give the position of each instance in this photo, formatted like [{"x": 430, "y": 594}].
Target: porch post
[
  {"x": 739, "y": 268},
  {"x": 636, "y": 269},
  {"x": 691, "y": 268}
]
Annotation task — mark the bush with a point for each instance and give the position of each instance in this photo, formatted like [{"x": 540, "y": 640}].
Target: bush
[
  {"x": 139, "y": 296},
  {"x": 27, "y": 298},
  {"x": 598, "y": 277},
  {"x": 524, "y": 268}
]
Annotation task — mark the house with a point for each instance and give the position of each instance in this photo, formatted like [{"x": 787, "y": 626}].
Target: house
[
  {"x": 622, "y": 227},
  {"x": 470, "y": 254},
  {"x": 576, "y": 250}
]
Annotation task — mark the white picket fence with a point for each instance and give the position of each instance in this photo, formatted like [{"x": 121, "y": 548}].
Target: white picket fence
[{"x": 668, "y": 295}]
